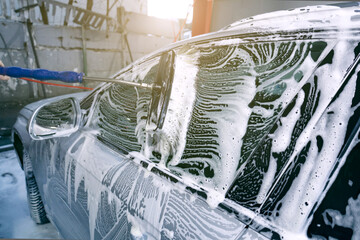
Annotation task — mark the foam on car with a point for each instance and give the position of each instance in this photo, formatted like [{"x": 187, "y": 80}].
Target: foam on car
[
  {"x": 170, "y": 140},
  {"x": 224, "y": 104},
  {"x": 230, "y": 114},
  {"x": 330, "y": 123},
  {"x": 310, "y": 16}
]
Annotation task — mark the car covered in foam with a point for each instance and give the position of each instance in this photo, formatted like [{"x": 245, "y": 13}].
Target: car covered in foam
[{"x": 251, "y": 132}]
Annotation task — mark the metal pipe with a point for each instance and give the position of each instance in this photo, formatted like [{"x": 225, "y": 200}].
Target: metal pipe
[{"x": 135, "y": 84}]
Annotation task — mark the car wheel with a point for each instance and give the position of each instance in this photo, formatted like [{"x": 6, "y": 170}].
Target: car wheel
[{"x": 36, "y": 206}]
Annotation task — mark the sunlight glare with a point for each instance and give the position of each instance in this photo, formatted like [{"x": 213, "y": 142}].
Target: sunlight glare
[{"x": 169, "y": 9}]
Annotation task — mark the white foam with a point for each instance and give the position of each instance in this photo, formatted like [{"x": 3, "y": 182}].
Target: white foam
[
  {"x": 135, "y": 230},
  {"x": 172, "y": 137},
  {"x": 320, "y": 16},
  {"x": 314, "y": 173},
  {"x": 88, "y": 169},
  {"x": 351, "y": 218},
  {"x": 282, "y": 137}
]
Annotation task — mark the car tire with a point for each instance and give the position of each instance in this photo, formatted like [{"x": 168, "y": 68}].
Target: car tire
[{"x": 36, "y": 206}]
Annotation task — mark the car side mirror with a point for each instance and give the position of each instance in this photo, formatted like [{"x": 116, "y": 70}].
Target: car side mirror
[{"x": 56, "y": 119}]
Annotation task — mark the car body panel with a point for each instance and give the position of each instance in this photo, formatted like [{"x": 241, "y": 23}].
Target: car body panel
[
  {"x": 296, "y": 99},
  {"x": 121, "y": 190}
]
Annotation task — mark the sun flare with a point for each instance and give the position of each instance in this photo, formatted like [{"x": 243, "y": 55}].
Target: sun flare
[{"x": 169, "y": 9}]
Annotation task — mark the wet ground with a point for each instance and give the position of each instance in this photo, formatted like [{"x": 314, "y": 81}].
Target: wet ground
[{"x": 15, "y": 220}]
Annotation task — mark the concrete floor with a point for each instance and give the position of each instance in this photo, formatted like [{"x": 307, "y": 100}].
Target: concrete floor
[{"x": 15, "y": 220}]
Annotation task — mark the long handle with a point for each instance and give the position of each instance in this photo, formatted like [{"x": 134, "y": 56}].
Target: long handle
[
  {"x": 42, "y": 74},
  {"x": 67, "y": 76}
]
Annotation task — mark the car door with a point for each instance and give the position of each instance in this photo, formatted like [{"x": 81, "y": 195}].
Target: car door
[{"x": 167, "y": 205}]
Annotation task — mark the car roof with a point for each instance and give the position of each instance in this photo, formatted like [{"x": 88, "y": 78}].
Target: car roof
[
  {"x": 334, "y": 16},
  {"x": 343, "y": 15}
]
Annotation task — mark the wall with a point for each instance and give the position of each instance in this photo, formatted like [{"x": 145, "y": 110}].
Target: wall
[
  {"x": 61, "y": 48},
  {"x": 14, "y": 93},
  {"x": 56, "y": 16}
]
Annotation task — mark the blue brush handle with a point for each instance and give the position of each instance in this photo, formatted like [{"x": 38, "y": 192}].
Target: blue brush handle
[{"x": 42, "y": 74}]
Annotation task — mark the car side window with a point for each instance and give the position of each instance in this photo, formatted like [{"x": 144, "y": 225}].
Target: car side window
[
  {"x": 119, "y": 117},
  {"x": 226, "y": 97}
]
